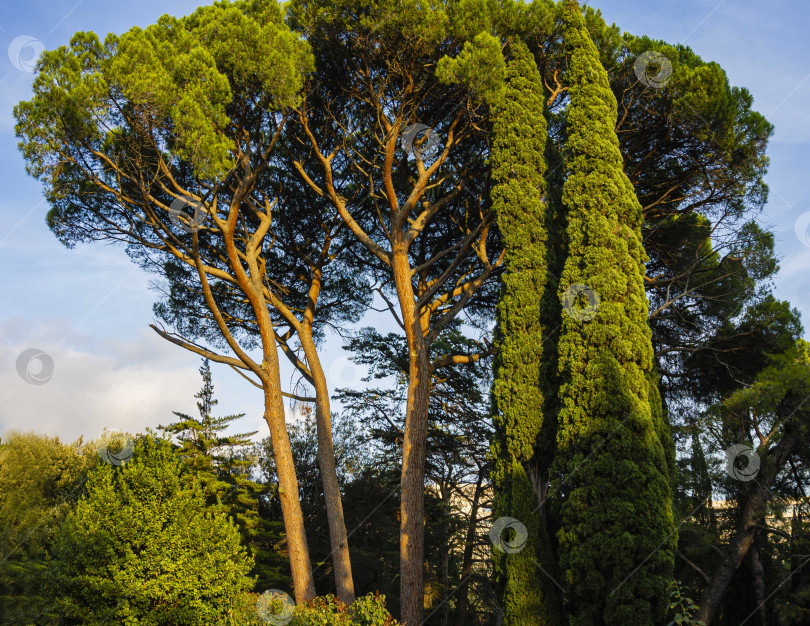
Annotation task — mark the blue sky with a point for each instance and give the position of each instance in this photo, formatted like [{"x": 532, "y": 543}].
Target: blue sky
[{"x": 89, "y": 308}]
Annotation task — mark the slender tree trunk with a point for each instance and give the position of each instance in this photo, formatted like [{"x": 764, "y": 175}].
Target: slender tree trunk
[
  {"x": 758, "y": 573},
  {"x": 445, "y": 583},
  {"x": 740, "y": 543},
  {"x": 444, "y": 559},
  {"x": 412, "y": 483},
  {"x": 331, "y": 489},
  {"x": 466, "y": 564},
  {"x": 250, "y": 283},
  {"x": 288, "y": 494}
]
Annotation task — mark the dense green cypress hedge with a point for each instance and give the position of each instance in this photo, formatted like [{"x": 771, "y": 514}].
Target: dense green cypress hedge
[
  {"x": 524, "y": 313},
  {"x": 612, "y": 495}
]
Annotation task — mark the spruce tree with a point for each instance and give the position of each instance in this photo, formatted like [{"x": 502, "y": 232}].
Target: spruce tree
[
  {"x": 613, "y": 501},
  {"x": 214, "y": 457},
  {"x": 525, "y": 314},
  {"x": 221, "y": 465}
]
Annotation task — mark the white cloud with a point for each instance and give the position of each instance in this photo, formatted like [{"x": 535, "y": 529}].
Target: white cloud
[
  {"x": 107, "y": 382},
  {"x": 127, "y": 386}
]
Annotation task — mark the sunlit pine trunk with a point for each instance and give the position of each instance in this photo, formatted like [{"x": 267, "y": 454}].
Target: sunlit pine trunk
[
  {"x": 412, "y": 482},
  {"x": 303, "y": 583},
  {"x": 339, "y": 541}
]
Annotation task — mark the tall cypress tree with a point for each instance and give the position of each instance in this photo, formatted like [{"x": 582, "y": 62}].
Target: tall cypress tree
[
  {"x": 521, "y": 388},
  {"x": 613, "y": 499}
]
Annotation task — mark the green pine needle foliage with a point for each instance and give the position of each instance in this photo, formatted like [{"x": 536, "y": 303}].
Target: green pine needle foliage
[{"x": 612, "y": 493}]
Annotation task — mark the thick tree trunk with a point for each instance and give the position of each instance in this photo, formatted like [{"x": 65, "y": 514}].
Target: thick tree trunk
[
  {"x": 288, "y": 494},
  {"x": 344, "y": 584},
  {"x": 411, "y": 532},
  {"x": 740, "y": 543},
  {"x": 466, "y": 564},
  {"x": 412, "y": 482}
]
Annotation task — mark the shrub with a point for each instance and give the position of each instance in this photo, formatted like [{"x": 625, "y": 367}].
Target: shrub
[
  {"x": 141, "y": 548},
  {"x": 328, "y": 610}
]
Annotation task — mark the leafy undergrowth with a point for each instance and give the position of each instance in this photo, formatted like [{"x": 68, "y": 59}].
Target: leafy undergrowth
[{"x": 327, "y": 610}]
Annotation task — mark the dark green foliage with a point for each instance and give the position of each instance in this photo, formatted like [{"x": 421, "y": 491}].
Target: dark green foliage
[
  {"x": 771, "y": 413},
  {"x": 142, "y": 547},
  {"x": 613, "y": 497},
  {"x": 796, "y": 608},
  {"x": 525, "y": 316}
]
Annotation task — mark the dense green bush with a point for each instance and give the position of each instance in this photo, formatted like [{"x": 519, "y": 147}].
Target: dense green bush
[
  {"x": 40, "y": 480},
  {"x": 142, "y": 548}
]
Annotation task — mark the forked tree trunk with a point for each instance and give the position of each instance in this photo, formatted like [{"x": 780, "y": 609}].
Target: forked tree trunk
[
  {"x": 344, "y": 584},
  {"x": 743, "y": 536},
  {"x": 288, "y": 493},
  {"x": 250, "y": 283}
]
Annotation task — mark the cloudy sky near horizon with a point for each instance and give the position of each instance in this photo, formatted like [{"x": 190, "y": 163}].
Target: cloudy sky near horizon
[{"x": 89, "y": 308}]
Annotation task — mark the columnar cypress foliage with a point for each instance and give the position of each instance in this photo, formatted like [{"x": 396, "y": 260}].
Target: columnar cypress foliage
[
  {"x": 523, "y": 313},
  {"x": 612, "y": 495}
]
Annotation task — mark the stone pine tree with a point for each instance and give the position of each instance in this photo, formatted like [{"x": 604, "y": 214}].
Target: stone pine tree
[
  {"x": 611, "y": 492},
  {"x": 521, "y": 391},
  {"x": 184, "y": 116}
]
